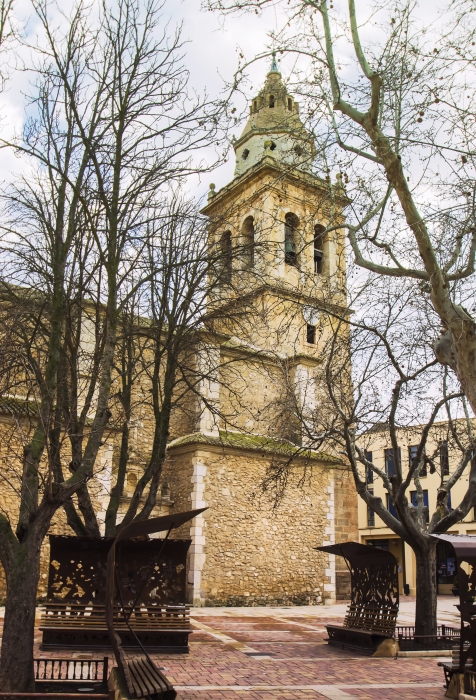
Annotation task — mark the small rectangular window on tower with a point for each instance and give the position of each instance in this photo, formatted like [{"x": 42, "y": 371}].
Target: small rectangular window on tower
[
  {"x": 311, "y": 334},
  {"x": 290, "y": 229}
]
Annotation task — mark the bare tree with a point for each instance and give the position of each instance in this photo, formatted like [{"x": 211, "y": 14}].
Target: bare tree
[
  {"x": 111, "y": 126},
  {"x": 7, "y": 30},
  {"x": 165, "y": 350},
  {"x": 379, "y": 377},
  {"x": 384, "y": 118},
  {"x": 390, "y": 101}
]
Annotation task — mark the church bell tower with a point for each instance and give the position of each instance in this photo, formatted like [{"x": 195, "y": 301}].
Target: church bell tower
[
  {"x": 276, "y": 212},
  {"x": 278, "y": 259}
]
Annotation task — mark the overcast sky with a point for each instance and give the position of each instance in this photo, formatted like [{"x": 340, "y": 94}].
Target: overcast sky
[{"x": 211, "y": 56}]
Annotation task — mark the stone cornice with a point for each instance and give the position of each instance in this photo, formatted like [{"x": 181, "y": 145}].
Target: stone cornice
[
  {"x": 269, "y": 164},
  {"x": 227, "y": 440},
  {"x": 283, "y": 291},
  {"x": 240, "y": 349},
  {"x": 298, "y": 133}
]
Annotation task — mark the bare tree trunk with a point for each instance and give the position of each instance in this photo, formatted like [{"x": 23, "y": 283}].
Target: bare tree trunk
[
  {"x": 426, "y": 603},
  {"x": 16, "y": 661},
  {"x": 117, "y": 490}
]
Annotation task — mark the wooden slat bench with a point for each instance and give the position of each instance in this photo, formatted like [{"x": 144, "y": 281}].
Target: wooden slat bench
[
  {"x": 450, "y": 669},
  {"x": 365, "y": 628},
  {"x": 147, "y": 680},
  {"x": 71, "y": 675},
  {"x": 373, "y": 618},
  {"x": 67, "y": 679},
  {"x": 470, "y": 683},
  {"x": 56, "y": 696},
  {"x": 68, "y": 625}
]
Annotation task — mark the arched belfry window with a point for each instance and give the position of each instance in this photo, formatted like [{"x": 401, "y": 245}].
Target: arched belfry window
[
  {"x": 255, "y": 106},
  {"x": 226, "y": 256},
  {"x": 291, "y": 223},
  {"x": 290, "y": 104},
  {"x": 318, "y": 248},
  {"x": 248, "y": 235},
  {"x": 271, "y": 100}
]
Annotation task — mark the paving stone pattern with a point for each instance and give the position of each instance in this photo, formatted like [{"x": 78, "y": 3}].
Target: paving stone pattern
[{"x": 267, "y": 653}]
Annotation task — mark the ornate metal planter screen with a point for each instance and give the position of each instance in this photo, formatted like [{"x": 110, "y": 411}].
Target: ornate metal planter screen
[
  {"x": 373, "y": 571},
  {"x": 372, "y": 613},
  {"x": 150, "y": 583},
  {"x": 78, "y": 570}
]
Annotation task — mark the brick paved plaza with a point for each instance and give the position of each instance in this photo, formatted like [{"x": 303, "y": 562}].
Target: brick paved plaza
[{"x": 265, "y": 653}]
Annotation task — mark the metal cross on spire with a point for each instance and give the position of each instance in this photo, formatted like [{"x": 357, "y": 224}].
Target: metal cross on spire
[{"x": 274, "y": 64}]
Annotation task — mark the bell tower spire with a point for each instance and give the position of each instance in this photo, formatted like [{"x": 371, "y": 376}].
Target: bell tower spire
[{"x": 274, "y": 129}]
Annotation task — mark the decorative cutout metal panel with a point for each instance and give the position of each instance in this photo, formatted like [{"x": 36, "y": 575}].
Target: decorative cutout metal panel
[
  {"x": 374, "y": 586},
  {"x": 78, "y": 570},
  {"x": 375, "y": 582}
]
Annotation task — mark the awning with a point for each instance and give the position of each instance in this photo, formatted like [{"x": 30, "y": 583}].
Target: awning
[
  {"x": 356, "y": 552},
  {"x": 464, "y": 545}
]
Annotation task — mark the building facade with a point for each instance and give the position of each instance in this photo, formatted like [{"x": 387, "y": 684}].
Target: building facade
[
  {"x": 445, "y": 459},
  {"x": 248, "y": 547}
]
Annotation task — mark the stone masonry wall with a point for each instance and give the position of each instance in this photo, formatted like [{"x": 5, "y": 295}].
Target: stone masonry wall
[
  {"x": 346, "y": 526},
  {"x": 13, "y": 435},
  {"x": 252, "y": 554}
]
